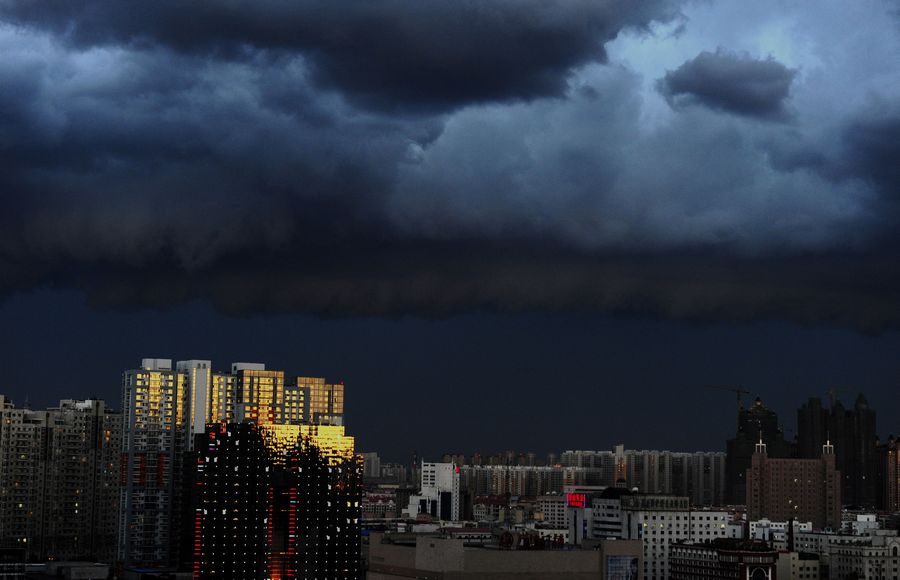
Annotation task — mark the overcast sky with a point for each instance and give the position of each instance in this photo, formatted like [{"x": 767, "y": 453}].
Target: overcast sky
[{"x": 415, "y": 171}]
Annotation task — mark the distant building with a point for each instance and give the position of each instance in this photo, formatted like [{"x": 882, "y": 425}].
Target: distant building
[
  {"x": 757, "y": 422},
  {"x": 371, "y": 466},
  {"x": 439, "y": 493},
  {"x": 853, "y": 433},
  {"x": 802, "y": 489},
  {"x": 891, "y": 483},
  {"x": 526, "y": 556},
  {"x": 553, "y": 508},
  {"x": 59, "y": 480},
  {"x": 698, "y": 475},
  {"x": 379, "y": 505},
  {"x": 723, "y": 559}
]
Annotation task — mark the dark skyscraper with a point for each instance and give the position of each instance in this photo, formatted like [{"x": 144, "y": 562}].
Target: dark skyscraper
[
  {"x": 277, "y": 501},
  {"x": 853, "y": 434},
  {"x": 755, "y": 423}
]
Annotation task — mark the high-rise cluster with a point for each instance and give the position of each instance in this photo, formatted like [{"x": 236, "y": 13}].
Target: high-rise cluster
[
  {"x": 212, "y": 460},
  {"x": 277, "y": 501},
  {"x": 59, "y": 474}
]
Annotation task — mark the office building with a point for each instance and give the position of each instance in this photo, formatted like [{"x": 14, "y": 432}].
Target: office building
[
  {"x": 802, "y": 489},
  {"x": 723, "y": 559},
  {"x": 277, "y": 501},
  {"x": 439, "y": 493},
  {"x": 757, "y": 422},
  {"x": 657, "y": 520},
  {"x": 59, "y": 480}
]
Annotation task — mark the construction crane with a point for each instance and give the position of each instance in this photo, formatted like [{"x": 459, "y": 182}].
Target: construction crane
[{"x": 737, "y": 391}]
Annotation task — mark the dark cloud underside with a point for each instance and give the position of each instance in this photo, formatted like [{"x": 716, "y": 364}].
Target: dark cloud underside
[
  {"x": 387, "y": 54},
  {"x": 729, "y": 82},
  {"x": 430, "y": 158}
]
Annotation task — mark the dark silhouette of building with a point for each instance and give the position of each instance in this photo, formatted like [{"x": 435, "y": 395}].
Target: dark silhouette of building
[
  {"x": 277, "y": 501},
  {"x": 890, "y": 459},
  {"x": 757, "y": 422},
  {"x": 783, "y": 489},
  {"x": 854, "y": 436}
]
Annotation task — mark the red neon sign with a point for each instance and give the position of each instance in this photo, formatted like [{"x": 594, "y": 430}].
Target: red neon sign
[{"x": 576, "y": 500}]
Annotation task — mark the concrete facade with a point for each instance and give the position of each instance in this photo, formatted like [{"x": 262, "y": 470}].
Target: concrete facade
[{"x": 435, "y": 558}]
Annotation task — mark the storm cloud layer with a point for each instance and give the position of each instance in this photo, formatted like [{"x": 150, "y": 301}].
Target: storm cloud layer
[
  {"x": 703, "y": 161},
  {"x": 729, "y": 82}
]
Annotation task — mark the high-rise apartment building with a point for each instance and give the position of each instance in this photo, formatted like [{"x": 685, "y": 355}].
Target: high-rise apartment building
[
  {"x": 891, "y": 483},
  {"x": 782, "y": 489},
  {"x": 59, "y": 474},
  {"x": 853, "y": 434},
  {"x": 757, "y": 422},
  {"x": 156, "y": 406},
  {"x": 166, "y": 407},
  {"x": 277, "y": 501},
  {"x": 698, "y": 475},
  {"x": 326, "y": 401}
]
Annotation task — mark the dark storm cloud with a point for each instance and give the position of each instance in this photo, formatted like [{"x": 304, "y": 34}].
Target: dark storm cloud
[
  {"x": 153, "y": 154},
  {"x": 729, "y": 82},
  {"x": 391, "y": 53}
]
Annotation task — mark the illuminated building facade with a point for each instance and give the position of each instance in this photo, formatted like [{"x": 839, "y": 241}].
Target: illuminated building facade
[
  {"x": 277, "y": 502},
  {"x": 326, "y": 401},
  {"x": 259, "y": 392},
  {"x": 156, "y": 410},
  {"x": 166, "y": 413},
  {"x": 59, "y": 472}
]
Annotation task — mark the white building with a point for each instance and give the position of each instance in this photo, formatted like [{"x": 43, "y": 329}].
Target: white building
[
  {"x": 657, "y": 520},
  {"x": 770, "y": 531},
  {"x": 439, "y": 493},
  {"x": 553, "y": 508}
]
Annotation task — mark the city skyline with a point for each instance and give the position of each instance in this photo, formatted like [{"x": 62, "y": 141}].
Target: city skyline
[{"x": 588, "y": 440}]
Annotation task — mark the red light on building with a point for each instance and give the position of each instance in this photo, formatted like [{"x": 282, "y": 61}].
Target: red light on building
[{"x": 576, "y": 500}]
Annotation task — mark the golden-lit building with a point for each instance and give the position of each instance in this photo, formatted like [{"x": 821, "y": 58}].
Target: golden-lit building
[
  {"x": 326, "y": 401},
  {"x": 154, "y": 402},
  {"x": 259, "y": 392}
]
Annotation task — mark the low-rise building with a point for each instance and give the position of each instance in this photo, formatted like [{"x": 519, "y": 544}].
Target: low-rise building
[
  {"x": 798, "y": 566},
  {"x": 512, "y": 557},
  {"x": 724, "y": 559}
]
